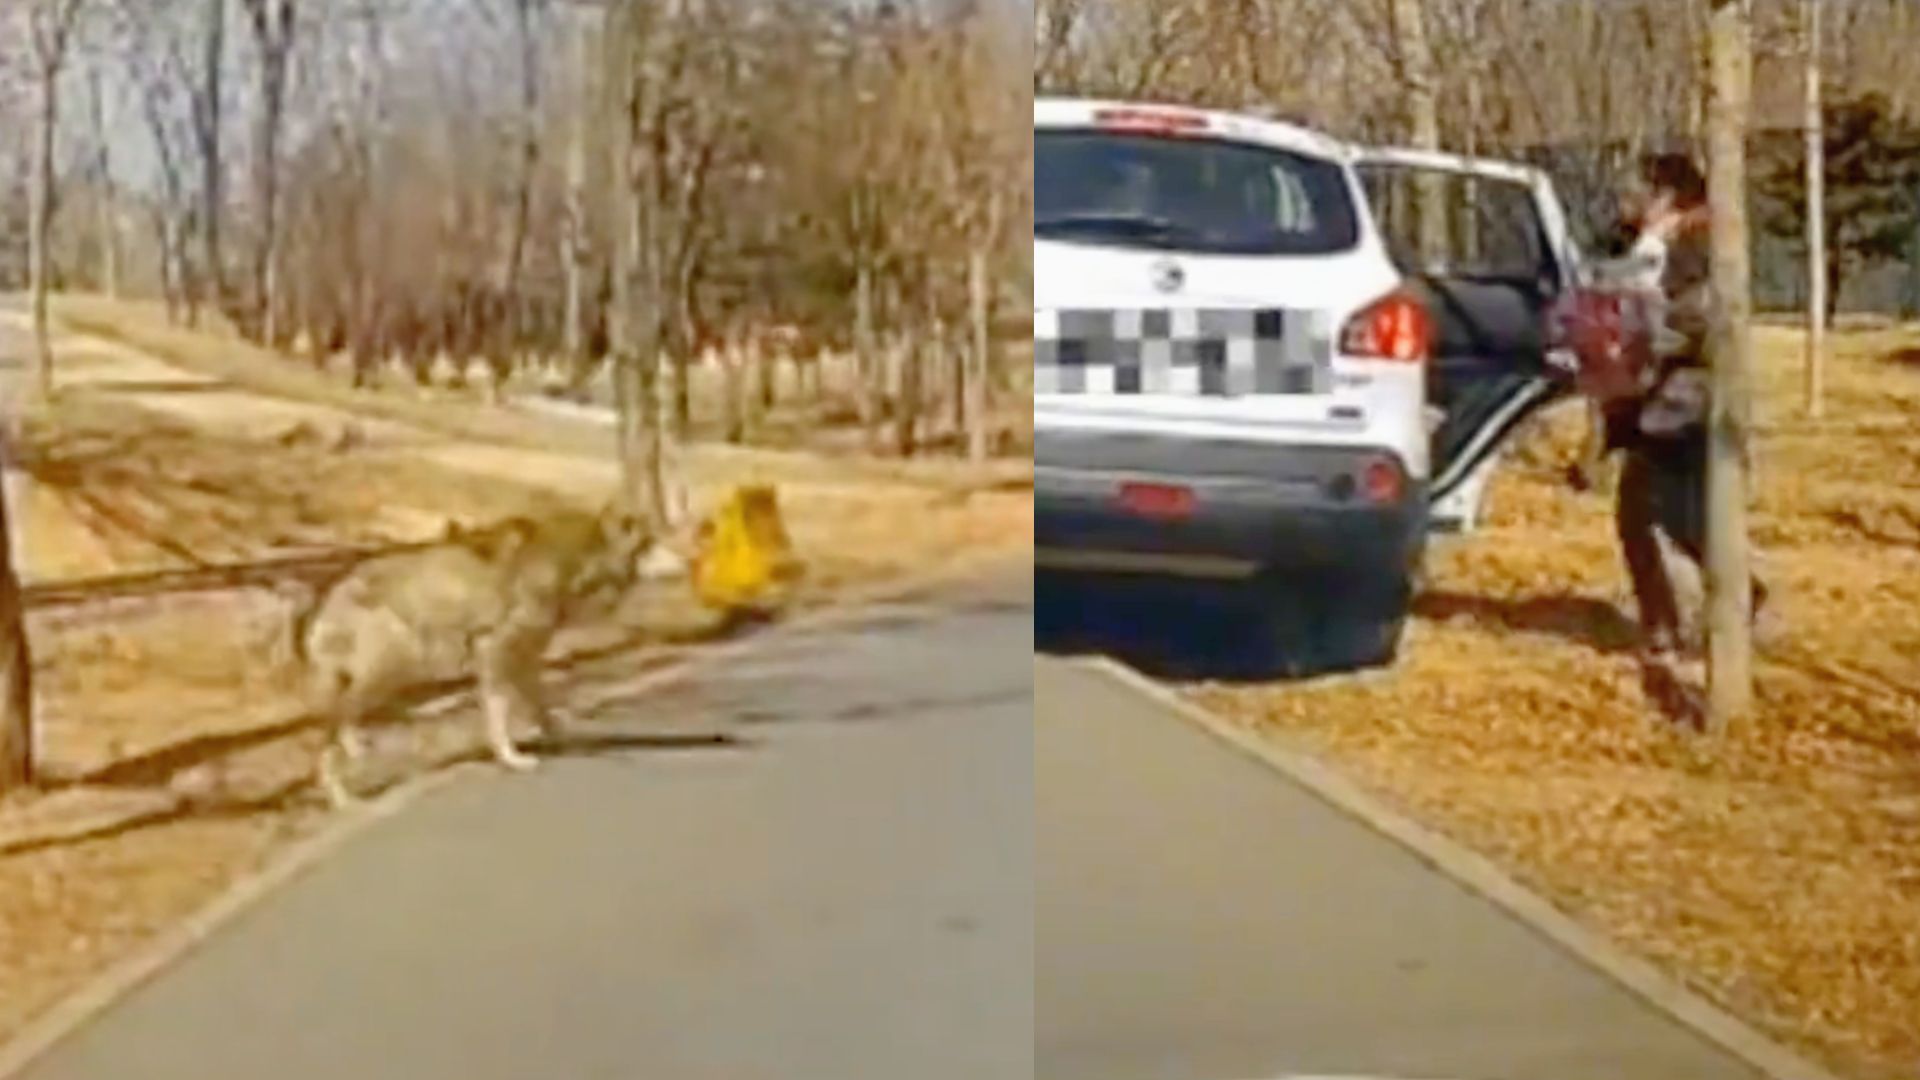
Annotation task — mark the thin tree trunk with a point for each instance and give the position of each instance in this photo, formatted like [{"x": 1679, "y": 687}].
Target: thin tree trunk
[
  {"x": 575, "y": 239},
  {"x": 624, "y": 322},
  {"x": 169, "y": 282},
  {"x": 953, "y": 343},
  {"x": 767, "y": 376},
  {"x": 529, "y": 160},
  {"x": 106, "y": 204},
  {"x": 869, "y": 373},
  {"x": 40, "y": 229},
  {"x": 1421, "y": 93},
  {"x": 266, "y": 277},
  {"x": 212, "y": 186},
  {"x": 979, "y": 356},
  {"x": 913, "y": 358},
  {"x": 1817, "y": 283},
  {"x": 1729, "y": 601}
]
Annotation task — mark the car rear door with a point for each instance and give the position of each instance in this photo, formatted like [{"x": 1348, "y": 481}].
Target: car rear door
[{"x": 1490, "y": 269}]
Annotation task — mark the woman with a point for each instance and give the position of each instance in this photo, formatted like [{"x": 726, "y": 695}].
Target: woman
[{"x": 1663, "y": 429}]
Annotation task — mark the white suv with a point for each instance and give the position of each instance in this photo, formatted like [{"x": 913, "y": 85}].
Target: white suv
[{"x": 1245, "y": 374}]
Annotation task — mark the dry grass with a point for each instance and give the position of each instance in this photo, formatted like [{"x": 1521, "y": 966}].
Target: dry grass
[
  {"x": 215, "y": 352},
  {"x": 1781, "y": 871},
  {"x": 111, "y": 487}
]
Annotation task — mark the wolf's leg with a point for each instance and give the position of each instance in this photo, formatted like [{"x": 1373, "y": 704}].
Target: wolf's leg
[
  {"x": 344, "y": 696},
  {"x": 503, "y": 696},
  {"x": 498, "y": 712},
  {"x": 344, "y": 709},
  {"x": 554, "y": 721}
]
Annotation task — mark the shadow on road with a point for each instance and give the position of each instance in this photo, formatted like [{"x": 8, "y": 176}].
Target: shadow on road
[
  {"x": 582, "y": 743},
  {"x": 889, "y": 709},
  {"x": 1183, "y": 632}
]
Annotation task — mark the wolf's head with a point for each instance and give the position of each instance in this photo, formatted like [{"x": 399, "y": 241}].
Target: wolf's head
[{"x": 630, "y": 550}]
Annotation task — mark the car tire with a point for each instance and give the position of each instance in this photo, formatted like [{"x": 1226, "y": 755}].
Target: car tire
[{"x": 1348, "y": 622}]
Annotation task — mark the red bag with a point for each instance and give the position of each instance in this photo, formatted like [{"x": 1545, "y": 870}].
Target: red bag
[{"x": 1609, "y": 333}]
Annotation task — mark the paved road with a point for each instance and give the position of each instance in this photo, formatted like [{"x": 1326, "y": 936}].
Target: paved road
[
  {"x": 1200, "y": 919},
  {"x": 848, "y": 895}
]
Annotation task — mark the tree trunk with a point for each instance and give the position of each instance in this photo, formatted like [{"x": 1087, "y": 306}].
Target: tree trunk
[
  {"x": 17, "y": 736},
  {"x": 1817, "y": 281},
  {"x": 953, "y": 345},
  {"x": 1729, "y": 601},
  {"x": 979, "y": 356},
  {"x": 1836, "y": 281},
  {"x": 735, "y": 401},
  {"x": 529, "y": 161},
  {"x": 869, "y": 373},
  {"x": 106, "y": 205},
  {"x": 575, "y": 238},
  {"x": 1420, "y": 89},
  {"x": 169, "y": 281},
  {"x": 40, "y": 228},
  {"x": 911, "y": 356},
  {"x": 682, "y": 402},
  {"x": 766, "y": 366},
  {"x": 212, "y": 189},
  {"x": 266, "y": 277},
  {"x": 632, "y": 320}
]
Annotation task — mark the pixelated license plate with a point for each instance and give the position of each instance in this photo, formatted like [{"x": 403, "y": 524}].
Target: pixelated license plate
[{"x": 1221, "y": 352}]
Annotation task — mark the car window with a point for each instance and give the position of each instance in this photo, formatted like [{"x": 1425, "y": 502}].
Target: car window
[
  {"x": 1490, "y": 228},
  {"x": 1205, "y": 196}
]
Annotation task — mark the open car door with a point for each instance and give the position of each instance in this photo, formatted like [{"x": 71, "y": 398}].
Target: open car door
[{"x": 1491, "y": 270}]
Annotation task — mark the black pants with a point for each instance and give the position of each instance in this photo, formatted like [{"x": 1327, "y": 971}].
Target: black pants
[{"x": 1664, "y": 489}]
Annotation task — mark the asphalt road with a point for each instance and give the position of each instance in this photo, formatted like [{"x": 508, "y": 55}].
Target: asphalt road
[
  {"x": 847, "y": 893},
  {"x": 1199, "y": 918}
]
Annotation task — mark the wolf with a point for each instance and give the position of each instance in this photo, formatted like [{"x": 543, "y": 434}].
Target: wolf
[{"x": 483, "y": 604}]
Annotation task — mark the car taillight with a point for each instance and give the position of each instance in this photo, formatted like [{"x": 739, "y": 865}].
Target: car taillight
[
  {"x": 1163, "y": 502},
  {"x": 1394, "y": 328},
  {"x": 1382, "y": 482}
]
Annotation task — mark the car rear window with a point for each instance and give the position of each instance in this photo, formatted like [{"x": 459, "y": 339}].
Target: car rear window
[
  {"x": 1489, "y": 228},
  {"x": 1199, "y": 196}
]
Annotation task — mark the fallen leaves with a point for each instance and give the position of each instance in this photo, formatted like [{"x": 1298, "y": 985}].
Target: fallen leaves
[{"x": 1780, "y": 871}]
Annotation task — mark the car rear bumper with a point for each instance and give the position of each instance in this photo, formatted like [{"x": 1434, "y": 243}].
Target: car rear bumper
[{"x": 1255, "y": 508}]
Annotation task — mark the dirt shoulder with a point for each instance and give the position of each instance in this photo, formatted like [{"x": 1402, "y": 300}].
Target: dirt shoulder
[
  {"x": 176, "y": 745},
  {"x": 138, "y": 333},
  {"x": 1779, "y": 873}
]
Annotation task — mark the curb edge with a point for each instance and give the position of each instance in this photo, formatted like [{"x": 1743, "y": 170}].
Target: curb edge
[{"x": 1482, "y": 876}]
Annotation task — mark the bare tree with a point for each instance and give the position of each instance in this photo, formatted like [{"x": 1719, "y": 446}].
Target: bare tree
[
  {"x": 1817, "y": 283},
  {"x": 50, "y": 29},
  {"x": 1419, "y": 83},
  {"x": 527, "y": 18},
  {"x": 208, "y": 110},
  {"x": 274, "y": 26},
  {"x": 1729, "y": 598},
  {"x": 800, "y": 179},
  {"x": 637, "y": 324},
  {"x": 582, "y": 24},
  {"x": 106, "y": 203}
]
